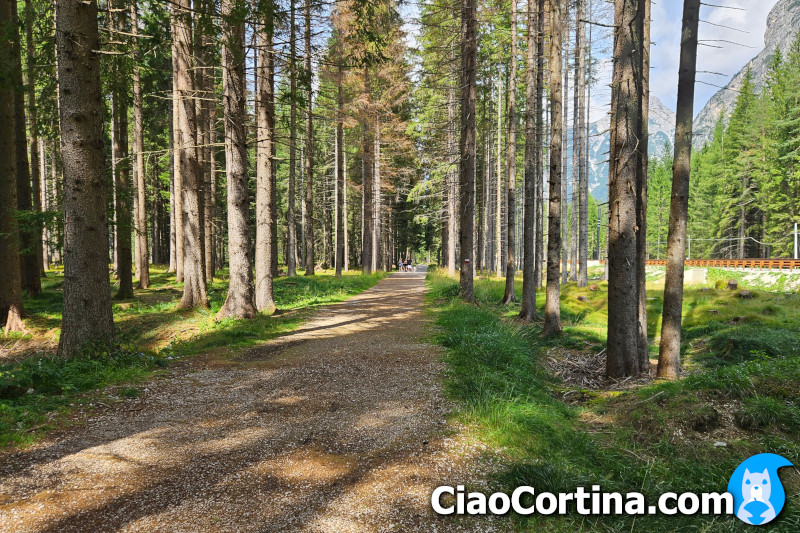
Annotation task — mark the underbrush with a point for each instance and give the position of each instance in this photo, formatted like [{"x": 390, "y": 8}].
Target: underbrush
[
  {"x": 740, "y": 398},
  {"x": 35, "y": 384}
]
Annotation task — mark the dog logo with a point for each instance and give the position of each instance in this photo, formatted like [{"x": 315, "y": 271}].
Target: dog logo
[{"x": 758, "y": 495}]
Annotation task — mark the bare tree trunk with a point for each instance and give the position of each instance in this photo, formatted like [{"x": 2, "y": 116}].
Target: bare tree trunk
[
  {"x": 206, "y": 106},
  {"x": 583, "y": 182},
  {"x": 11, "y": 306},
  {"x": 626, "y": 108},
  {"x": 87, "y": 315},
  {"x": 346, "y": 251},
  {"x": 669, "y": 362},
  {"x": 194, "y": 282},
  {"x": 266, "y": 231},
  {"x": 511, "y": 199},
  {"x": 291, "y": 240},
  {"x": 45, "y": 205},
  {"x": 179, "y": 62},
  {"x": 498, "y": 254},
  {"x": 539, "y": 248},
  {"x": 552, "y": 318},
  {"x": 565, "y": 229},
  {"x": 35, "y": 163},
  {"x": 528, "y": 312},
  {"x": 341, "y": 185},
  {"x": 641, "y": 189},
  {"x": 308, "y": 221},
  {"x": 368, "y": 225},
  {"x": 121, "y": 165},
  {"x": 576, "y": 127},
  {"x": 451, "y": 182},
  {"x": 467, "y": 145},
  {"x": 376, "y": 199},
  {"x": 140, "y": 199},
  {"x": 240, "y": 302}
]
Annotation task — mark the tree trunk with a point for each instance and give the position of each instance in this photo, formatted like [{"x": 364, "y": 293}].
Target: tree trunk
[
  {"x": 528, "y": 311},
  {"x": 87, "y": 315},
  {"x": 641, "y": 189},
  {"x": 498, "y": 252},
  {"x": 670, "y": 350},
  {"x": 35, "y": 162},
  {"x": 140, "y": 203},
  {"x": 367, "y": 164},
  {"x": 552, "y": 319},
  {"x": 583, "y": 182},
  {"x": 11, "y": 307},
  {"x": 194, "y": 283},
  {"x": 240, "y": 302},
  {"x": 266, "y": 231},
  {"x": 291, "y": 222},
  {"x": 341, "y": 185},
  {"x": 539, "y": 248},
  {"x": 451, "y": 180},
  {"x": 511, "y": 200},
  {"x": 346, "y": 251},
  {"x": 179, "y": 64},
  {"x": 467, "y": 145},
  {"x": 565, "y": 229},
  {"x": 308, "y": 220},
  {"x": 626, "y": 113},
  {"x": 206, "y": 107}
]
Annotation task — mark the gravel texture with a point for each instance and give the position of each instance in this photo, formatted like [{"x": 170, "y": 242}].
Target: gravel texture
[{"x": 339, "y": 426}]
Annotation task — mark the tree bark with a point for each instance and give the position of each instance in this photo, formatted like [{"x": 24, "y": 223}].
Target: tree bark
[
  {"x": 33, "y": 121},
  {"x": 511, "y": 200},
  {"x": 539, "y": 248},
  {"x": 626, "y": 108},
  {"x": 552, "y": 318},
  {"x": 451, "y": 183},
  {"x": 641, "y": 189},
  {"x": 583, "y": 182},
  {"x": 367, "y": 165},
  {"x": 308, "y": 220},
  {"x": 11, "y": 306},
  {"x": 266, "y": 230},
  {"x": 240, "y": 302},
  {"x": 179, "y": 65},
  {"x": 565, "y": 228},
  {"x": 498, "y": 252},
  {"x": 87, "y": 315},
  {"x": 194, "y": 282},
  {"x": 670, "y": 349},
  {"x": 340, "y": 181},
  {"x": 528, "y": 311},
  {"x": 140, "y": 204},
  {"x": 467, "y": 145},
  {"x": 291, "y": 222}
]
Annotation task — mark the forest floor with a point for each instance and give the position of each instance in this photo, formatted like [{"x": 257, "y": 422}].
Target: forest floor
[{"x": 338, "y": 426}]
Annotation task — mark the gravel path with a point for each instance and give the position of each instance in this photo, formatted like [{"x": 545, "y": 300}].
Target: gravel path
[{"x": 339, "y": 426}]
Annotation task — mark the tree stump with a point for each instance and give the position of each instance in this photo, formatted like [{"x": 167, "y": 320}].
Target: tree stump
[
  {"x": 746, "y": 295},
  {"x": 732, "y": 285}
]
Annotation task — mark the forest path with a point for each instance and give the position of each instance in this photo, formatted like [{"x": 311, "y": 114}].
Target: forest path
[{"x": 339, "y": 426}]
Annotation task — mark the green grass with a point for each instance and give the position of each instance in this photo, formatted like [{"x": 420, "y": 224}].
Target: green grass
[
  {"x": 652, "y": 439},
  {"x": 36, "y": 386}
]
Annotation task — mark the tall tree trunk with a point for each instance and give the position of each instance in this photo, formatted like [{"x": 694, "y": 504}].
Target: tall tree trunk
[
  {"x": 451, "y": 182},
  {"x": 308, "y": 220},
  {"x": 340, "y": 185},
  {"x": 498, "y": 254},
  {"x": 367, "y": 164},
  {"x": 194, "y": 282},
  {"x": 206, "y": 105},
  {"x": 33, "y": 121},
  {"x": 140, "y": 204},
  {"x": 511, "y": 200},
  {"x": 552, "y": 318},
  {"x": 528, "y": 310},
  {"x": 576, "y": 126},
  {"x": 44, "y": 203},
  {"x": 11, "y": 307},
  {"x": 565, "y": 229},
  {"x": 626, "y": 108},
  {"x": 87, "y": 313},
  {"x": 467, "y": 145},
  {"x": 539, "y": 145},
  {"x": 346, "y": 250},
  {"x": 669, "y": 362},
  {"x": 291, "y": 222},
  {"x": 179, "y": 64},
  {"x": 121, "y": 164},
  {"x": 240, "y": 302},
  {"x": 377, "y": 236},
  {"x": 583, "y": 182},
  {"x": 641, "y": 188},
  {"x": 266, "y": 232}
]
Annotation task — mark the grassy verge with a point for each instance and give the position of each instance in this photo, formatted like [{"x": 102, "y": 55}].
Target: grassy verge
[
  {"x": 654, "y": 438},
  {"x": 35, "y": 386}
]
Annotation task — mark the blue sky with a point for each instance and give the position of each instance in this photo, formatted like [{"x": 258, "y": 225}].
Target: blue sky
[{"x": 728, "y": 60}]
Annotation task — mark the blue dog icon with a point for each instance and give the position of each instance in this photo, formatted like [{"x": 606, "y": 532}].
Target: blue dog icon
[{"x": 757, "y": 491}]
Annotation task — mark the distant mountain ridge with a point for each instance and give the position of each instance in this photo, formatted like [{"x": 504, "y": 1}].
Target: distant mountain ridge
[{"x": 783, "y": 24}]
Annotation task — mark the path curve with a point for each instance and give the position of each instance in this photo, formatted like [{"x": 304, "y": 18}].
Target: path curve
[{"x": 339, "y": 426}]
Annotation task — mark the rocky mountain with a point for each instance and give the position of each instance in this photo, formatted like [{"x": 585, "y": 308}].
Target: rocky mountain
[
  {"x": 662, "y": 131},
  {"x": 783, "y": 24}
]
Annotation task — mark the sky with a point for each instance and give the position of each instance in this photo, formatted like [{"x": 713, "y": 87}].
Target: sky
[{"x": 750, "y": 17}]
